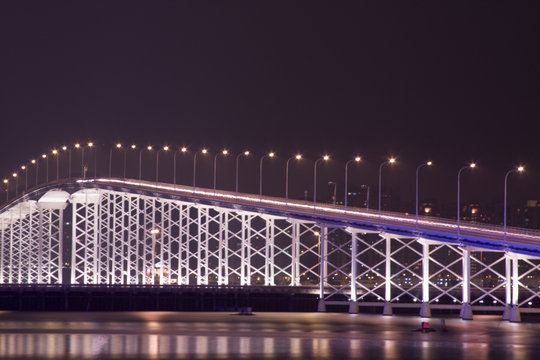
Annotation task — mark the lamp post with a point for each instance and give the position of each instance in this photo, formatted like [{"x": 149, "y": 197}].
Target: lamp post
[
  {"x": 470, "y": 166},
  {"x": 325, "y": 158},
  {"x": 65, "y": 148},
  {"x": 16, "y": 184},
  {"x": 25, "y": 168},
  {"x": 389, "y": 161},
  {"x": 518, "y": 169},
  {"x": 6, "y": 181},
  {"x": 165, "y": 148},
  {"x": 44, "y": 156},
  {"x": 56, "y": 155},
  {"x": 183, "y": 150},
  {"x": 203, "y": 151},
  {"x": 149, "y": 148},
  {"x": 270, "y": 155},
  {"x": 245, "y": 153},
  {"x": 78, "y": 146},
  {"x": 118, "y": 146},
  {"x": 224, "y": 153},
  {"x": 85, "y": 168},
  {"x": 429, "y": 163},
  {"x": 356, "y": 159},
  {"x": 297, "y": 157},
  {"x": 36, "y": 162},
  {"x": 133, "y": 147}
]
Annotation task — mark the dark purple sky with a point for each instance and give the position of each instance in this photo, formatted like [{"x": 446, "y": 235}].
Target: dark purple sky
[{"x": 451, "y": 82}]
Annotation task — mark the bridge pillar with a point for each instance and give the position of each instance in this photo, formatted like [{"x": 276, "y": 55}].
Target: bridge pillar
[
  {"x": 322, "y": 267},
  {"x": 515, "y": 314},
  {"x": 508, "y": 287},
  {"x": 466, "y": 310},
  {"x": 387, "y": 310},
  {"x": 425, "y": 309}
]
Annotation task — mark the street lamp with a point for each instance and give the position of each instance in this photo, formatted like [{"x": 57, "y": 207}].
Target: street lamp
[
  {"x": 429, "y": 163},
  {"x": 90, "y": 146},
  {"x": 55, "y": 153},
  {"x": 224, "y": 152},
  {"x": 6, "y": 181},
  {"x": 297, "y": 157},
  {"x": 356, "y": 159},
  {"x": 325, "y": 158},
  {"x": 78, "y": 146},
  {"x": 204, "y": 152},
  {"x": 389, "y": 161},
  {"x": 25, "y": 168},
  {"x": 118, "y": 146},
  {"x": 36, "y": 162},
  {"x": 149, "y": 148},
  {"x": 245, "y": 153},
  {"x": 44, "y": 156},
  {"x": 470, "y": 166},
  {"x": 183, "y": 150},
  {"x": 518, "y": 169},
  {"x": 270, "y": 155},
  {"x": 165, "y": 148},
  {"x": 16, "y": 184}
]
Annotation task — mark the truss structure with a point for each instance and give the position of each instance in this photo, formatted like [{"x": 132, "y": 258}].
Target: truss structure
[{"x": 123, "y": 238}]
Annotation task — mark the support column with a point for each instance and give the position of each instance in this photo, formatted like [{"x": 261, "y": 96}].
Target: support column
[
  {"x": 243, "y": 280},
  {"x": 353, "y": 305},
  {"x": 466, "y": 311},
  {"x": 294, "y": 255},
  {"x": 508, "y": 286},
  {"x": 515, "y": 314},
  {"x": 199, "y": 245},
  {"x": 387, "y": 310},
  {"x": 40, "y": 246},
  {"x": 425, "y": 310},
  {"x": 322, "y": 268}
]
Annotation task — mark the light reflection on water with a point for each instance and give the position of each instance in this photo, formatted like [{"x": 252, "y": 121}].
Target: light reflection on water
[{"x": 152, "y": 346}]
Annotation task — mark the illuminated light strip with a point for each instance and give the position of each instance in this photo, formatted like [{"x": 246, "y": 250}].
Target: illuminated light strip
[{"x": 256, "y": 200}]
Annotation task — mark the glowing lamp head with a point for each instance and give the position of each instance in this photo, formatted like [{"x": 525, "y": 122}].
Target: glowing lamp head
[
  {"x": 133, "y": 146},
  {"x": 298, "y": 157},
  {"x": 326, "y": 157},
  {"x": 64, "y": 148},
  {"x": 14, "y": 174},
  {"x": 429, "y": 163},
  {"x": 521, "y": 169},
  {"x": 77, "y": 145},
  {"x": 225, "y": 152},
  {"x": 149, "y": 147},
  {"x": 33, "y": 161},
  {"x": 246, "y": 153},
  {"x": 204, "y": 151},
  {"x": 118, "y": 145},
  {"x": 271, "y": 154},
  {"x": 23, "y": 167},
  {"x": 472, "y": 165},
  {"x": 44, "y": 156},
  {"x": 6, "y": 181},
  {"x": 90, "y": 144},
  {"x": 357, "y": 159},
  {"x": 166, "y": 148},
  {"x": 184, "y": 149},
  {"x": 392, "y": 160},
  {"x": 55, "y": 152},
  {"x": 316, "y": 233},
  {"x": 154, "y": 231}
]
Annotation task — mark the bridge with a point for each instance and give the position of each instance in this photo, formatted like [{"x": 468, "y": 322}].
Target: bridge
[
  {"x": 117, "y": 232},
  {"x": 120, "y": 231}
]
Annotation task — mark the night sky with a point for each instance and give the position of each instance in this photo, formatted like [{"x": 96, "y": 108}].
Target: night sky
[{"x": 451, "y": 82}]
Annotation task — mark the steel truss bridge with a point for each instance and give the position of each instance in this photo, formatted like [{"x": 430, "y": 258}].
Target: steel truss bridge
[{"x": 117, "y": 232}]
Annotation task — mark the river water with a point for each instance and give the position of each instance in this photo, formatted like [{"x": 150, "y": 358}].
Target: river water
[{"x": 173, "y": 335}]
